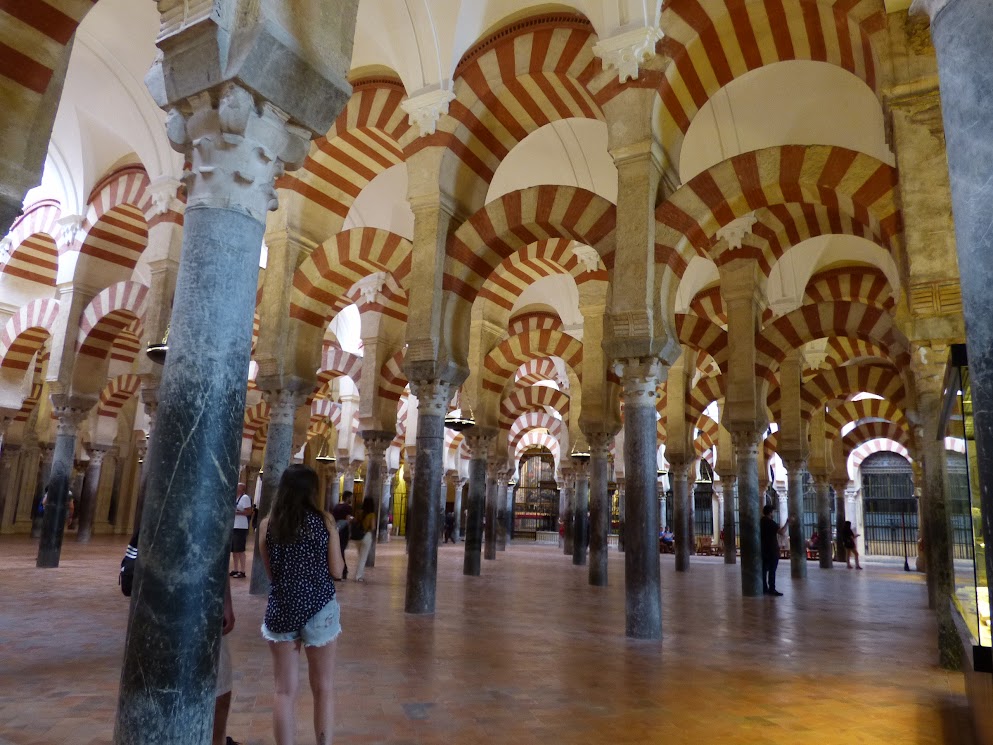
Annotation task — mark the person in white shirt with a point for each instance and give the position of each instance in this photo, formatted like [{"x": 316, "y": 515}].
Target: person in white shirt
[{"x": 242, "y": 513}]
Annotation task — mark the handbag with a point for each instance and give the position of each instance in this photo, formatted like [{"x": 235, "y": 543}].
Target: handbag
[
  {"x": 357, "y": 532},
  {"x": 126, "y": 577}
]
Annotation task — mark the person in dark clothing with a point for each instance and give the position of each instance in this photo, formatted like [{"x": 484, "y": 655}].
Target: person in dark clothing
[
  {"x": 770, "y": 532},
  {"x": 342, "y": 514},
  {"x": 449, "y": 526}
]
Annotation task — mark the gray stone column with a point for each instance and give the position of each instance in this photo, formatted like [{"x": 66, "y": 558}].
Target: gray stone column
[
  {"x": 90, "y": 493},
  {"x": 961, "y": 32},
  {"x": 824, "y": 545},
  {"x": 622, "y": 515},
  {"x": 642, "y": 579},
  {"x": 494, "y": 477},
  {"x": 730, "y": 486},
  {"x": 348, "y": 474},
  {"x": 599, "y": 505},
  {"x": 746, "y": 448},
  {"x": 278, "y": 452},
  {"x": 332, "y": 493},
  {"x": 422, "y": 522},
  {"x": 236, "y": 147},
  {"x": 457, "y": 531},
  {"x": 386, "y": 506},
  {"x": 375, "y": 476},
  {"x": 679, "y": 476},
  {"x": 839, "y": 486},
  {"x": 46, "y": 453},
  {"x": 480, "y": 442},
  {"x": 8, "y": 485},
  {"x": 57, "y": 504},
  {"x": 581, "y": 505},
  {"x": 794, "y": 510},
  {"x": 569, "y": 511},
  {"x": 501, "y": 510}
]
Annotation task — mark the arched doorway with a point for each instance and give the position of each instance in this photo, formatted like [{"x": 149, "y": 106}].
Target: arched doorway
[
  {"x": 536, "y": 496},
  {"x": 889, "y": 507}
]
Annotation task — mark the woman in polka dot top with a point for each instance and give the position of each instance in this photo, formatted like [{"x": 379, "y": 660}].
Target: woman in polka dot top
[{"x": 302, "y": 557}]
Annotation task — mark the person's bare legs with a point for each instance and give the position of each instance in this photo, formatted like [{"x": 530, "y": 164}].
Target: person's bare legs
[
  {"x": 286, "y": 671},
  {"x": 222, "y": 705},
  {"x": 320, "y": 661}
]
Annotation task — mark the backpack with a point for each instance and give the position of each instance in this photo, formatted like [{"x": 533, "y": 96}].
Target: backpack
[
  {"x": 126, "y": 578},
  {"x": 357, "y": 531}
]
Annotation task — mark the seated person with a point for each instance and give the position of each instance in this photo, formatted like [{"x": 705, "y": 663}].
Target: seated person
[
  {"x": 813, "y": 541},
  {"x": 667, "y": 535}
]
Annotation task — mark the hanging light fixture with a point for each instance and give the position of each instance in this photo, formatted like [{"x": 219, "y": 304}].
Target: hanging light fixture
[
  {"x": 157, "y": 352},
  {"x": 460, "y": 422}
]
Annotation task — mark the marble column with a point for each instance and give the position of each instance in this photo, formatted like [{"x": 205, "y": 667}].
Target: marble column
[
  {"x": 236, "y": 148},
  {"x": 746, "y": 447},
  {"x": 581, "y": 506},
  {"x": 599, "y": 505},
  {"x": 794, "y": 510},
  {"x": 501, "y": 511},
  {"x": 8, "y": 483},
  {"x": 457, "y": 530},
  {"x": 508, "y": 515},
  {"x": 642, "y": 578},
  {"x": 961, "y": 32},
  {"x": 824, "y": 545},
  {"x": 375, "y": 476},
  {"x": 494, "y": 479},
  {"x": 90, "y": 493},
  {"x": 839, "y": 486},
  {"x": 331, "y": 493},
  {"x": 621, "y": 514},
  {"x": 348, "y": 476},
  {"x": 422, "y": 523},
  {"x": 479, "y": 442},
  {"x": 386, "y": 506},
  {"x": 283, "y": 405},
  {"x": 730, "y": 487},
  {"x": 569, "y": 505},
  {"x": 679, "y": 476},
  {"x": 57, "y": 504},
  {"x": 46, "y": 453}
]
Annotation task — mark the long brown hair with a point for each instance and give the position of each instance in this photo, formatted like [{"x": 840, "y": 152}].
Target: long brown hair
[{"x": 295, "y": 497}]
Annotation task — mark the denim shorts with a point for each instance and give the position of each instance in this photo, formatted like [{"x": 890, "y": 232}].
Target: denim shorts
[{"x": 322, "y": 628}]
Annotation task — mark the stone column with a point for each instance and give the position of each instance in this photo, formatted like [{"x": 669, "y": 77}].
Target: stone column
[
  {"x": 581, "y": 505},
  {"x": 569, "y": 509},
  {"x": 8, "y": 490},
  {"x": 501, "y": 511},
  {"x": 839, "y": 486},
  {"x": 679, "y": 476},
  {"x": 90, "y": 493},
  {"x": 375, "y": 476},
  {"x": 422, "y": 523},
  {"x": 642, "y": 580},
  {"x": 386, "y": 506},
  {"x": 46, "y": 453},
  {"x": 480, "y": 442},
  {"x": 330, "y": 487},
  {"x": 494, "y": 478},
  {"x": 824, "y": 545},
  {"x": 622, "y": 515},
  {"x": 236, "y": 147},
  {"x": 730, "y": 487},
  {"x": 960, "y": 30},
  {"x": 57, "y": 504},
  {"x": 746, "y": 447},
  {"x": 599, "y": 505},
  {"x": 348, "y": 474},
  {"x": 278, "y": 452},
  {"x": 457, "y": 530},
  {"x": 508, "y": 516},
  {"x": 794, "y": 510}
]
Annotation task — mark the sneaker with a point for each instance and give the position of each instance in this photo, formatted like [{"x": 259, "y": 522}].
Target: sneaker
[
  {"x": 232, "y": 574},
  {"x": 775, "y": 593}
]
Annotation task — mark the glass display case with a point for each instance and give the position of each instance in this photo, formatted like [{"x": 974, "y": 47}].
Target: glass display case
[{"x": 971, "y": 582}]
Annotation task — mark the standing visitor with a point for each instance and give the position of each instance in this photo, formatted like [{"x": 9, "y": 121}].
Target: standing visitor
[
  {"x": 342, "y": 514},
  {"x": 299, "y": 546},
  {"x": 363, "y": 529},
  {"x": 239, "y": 534},
  {"x": 848, "y": 540},
  {"x": 770, "y": 532}
]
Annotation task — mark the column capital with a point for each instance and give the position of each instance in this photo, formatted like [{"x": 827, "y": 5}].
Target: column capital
[
  {"x": 600, "y": 443},
  {"x": 237, "y": 146},
  {"x": 641, "y": 378},
  {"x": 795, "y": 464},
  {"x": 626, "y": 51},
  {"x": 376, "y": 443},
  {"x": 746, "y": 442},
  {"x": 679, "y": 467},
  {"x": 930, "y": 8},
  {"x": 480, "y": 441},
  {"x": 69, "y": 419},
  {"x": 97, "y": 453},
  {"x": 433, "y": 396},
  {"x": 283, "y": 405}
]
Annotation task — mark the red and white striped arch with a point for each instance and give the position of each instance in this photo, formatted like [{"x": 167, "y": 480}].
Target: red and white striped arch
[
  {"x": 866, "y": 431},
  {"x": 116, "y": 393},
  {"x": 534, "y": 371},
  {"x": 30, "y": 402},
  {"x": 455, "y": 449},
  {"x": 127, "y": 344},
  {"x": 392, "y": 378},
  {"x": 856, "y": 457},
  {"x": 116, "y": 226},
  {"x": 713, "y": 43},
  {"x": 534, "y": 321},
  {"x": 33, "y": 239},
  {"x": 703, "y": 335},
  {"x": 126, "y": 300},
  {"x": 538, "y": 439},
  {"x": 535, "y": 261},
  {"x": 841, "y": 350},
  {"x": 363, "y": 142},
  {"x": 322, "y": 283},
  {"x": 867, "y": 408},
  {"x": 533, "y": 398},
  {"x": 501, "y": 362},
  {"x": 862, "y": 284},
  {"x": 854, "y": 184},
  {"x": 335, "y": 363},
  {"x": 823, "y": 321},
  {"x": 26, "y": 332},
  {"x": 842, "y": 382},
  {"x": 708, "y": 389},
  {"x": 514, "y": 221},
  {"x": 534, "y": 420},
  {"x": 524, "y": 76},
  {"x": 256, "y": 416}
]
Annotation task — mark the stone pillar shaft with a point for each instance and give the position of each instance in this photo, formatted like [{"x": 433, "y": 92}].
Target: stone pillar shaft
[
  {"x": 57, "y": 503},
  {"x": 91, "y": 491},
  {"x": 824, "y": 544},
  {"x": 493, "y": 482},
  {"x": 375, "y": 476},
  {"x": 457, "y": 530},
  {"x": 798, "y": 545},
  {"x": 599, "y": 506},
  {"x": 479, "y": 445},
  {"x": 278, "y": 452},
  {"x": 569, "y": 511},
  {"x": 746, "y": 446},
  {"x": 730, "y": 486},
  {"x": 580, "y": 533},
  {"x": 422, "y": 521},
  {"x": 679, "y": 475}
]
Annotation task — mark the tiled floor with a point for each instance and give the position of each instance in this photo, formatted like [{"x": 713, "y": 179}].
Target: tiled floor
[{"x": 527, "y": 653}]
